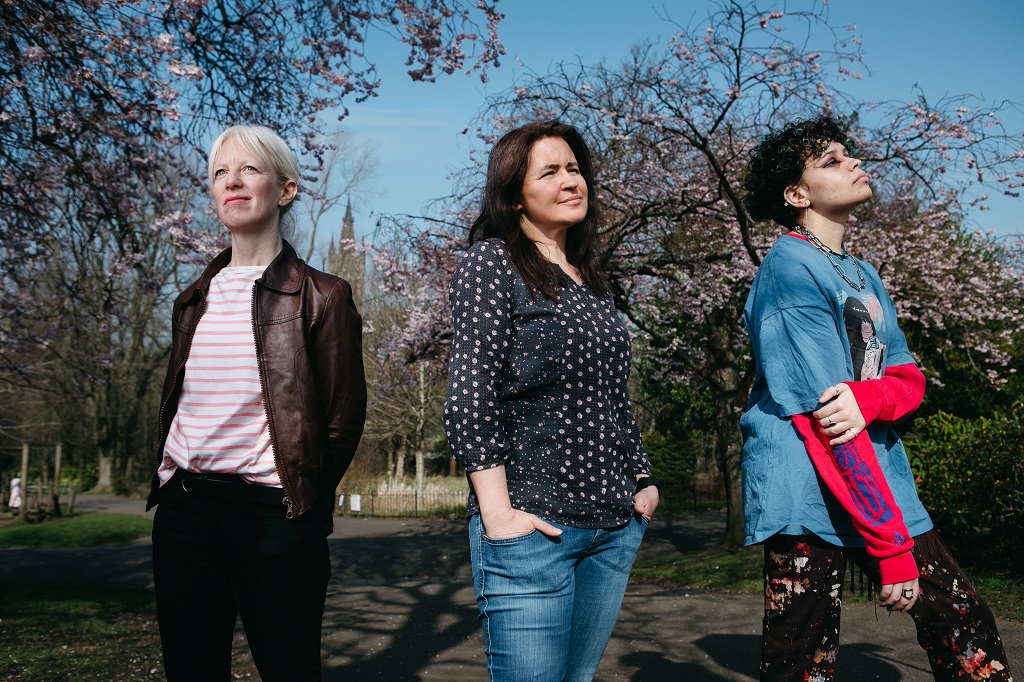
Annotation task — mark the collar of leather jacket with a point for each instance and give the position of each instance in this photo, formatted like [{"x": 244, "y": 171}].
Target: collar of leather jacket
[{"x": 284, "y": 274}]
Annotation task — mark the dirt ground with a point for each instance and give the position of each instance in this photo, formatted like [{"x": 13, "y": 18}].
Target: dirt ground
[{"x": 400, "y": 607}]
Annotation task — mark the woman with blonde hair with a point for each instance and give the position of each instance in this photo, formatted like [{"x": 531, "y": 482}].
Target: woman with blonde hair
[{"x": 263, "y": 406}]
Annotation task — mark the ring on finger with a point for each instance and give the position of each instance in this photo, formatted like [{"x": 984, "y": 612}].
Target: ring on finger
[
  {"x": 908, "y": 593},
  {"x": 836, "y": 389},
  {"x": 830, "y": 422},
  {"x": 852, "y": 431}
]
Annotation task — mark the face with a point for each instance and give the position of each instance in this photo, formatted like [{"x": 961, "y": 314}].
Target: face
[
  {"x": 246, "y": 190},
  {"x": 554, "y": 192},
  {"x": 832, "y": 182}
]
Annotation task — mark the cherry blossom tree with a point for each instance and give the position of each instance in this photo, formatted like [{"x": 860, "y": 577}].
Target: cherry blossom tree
[
  {"x": 106, "y": 107},
  {"x": 672, "y": 127},
  {"x": 407, "y": 339}
]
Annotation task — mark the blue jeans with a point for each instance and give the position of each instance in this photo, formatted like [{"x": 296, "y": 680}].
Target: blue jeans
[{"x": 548, "y": 605}]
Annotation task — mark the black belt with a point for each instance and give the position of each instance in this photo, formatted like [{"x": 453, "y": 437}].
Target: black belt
[{"x": 230, "y": 487}]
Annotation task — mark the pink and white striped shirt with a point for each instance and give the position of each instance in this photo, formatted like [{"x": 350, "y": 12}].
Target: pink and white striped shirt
[{"x": 221, "y": 423}]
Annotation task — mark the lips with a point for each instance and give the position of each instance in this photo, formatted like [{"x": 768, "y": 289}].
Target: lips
[
  {"x": 573, "y": 200},
  {"x": 235, "y": 200}
]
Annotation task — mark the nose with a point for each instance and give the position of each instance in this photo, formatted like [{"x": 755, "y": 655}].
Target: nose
[
  {"x": 570, "y": 180},
  {"x": 854, "y": 162},
  {"x": 232, "y": 179}
]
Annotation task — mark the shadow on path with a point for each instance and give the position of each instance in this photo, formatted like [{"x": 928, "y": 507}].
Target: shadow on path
[{"x": 400, "y": 607}]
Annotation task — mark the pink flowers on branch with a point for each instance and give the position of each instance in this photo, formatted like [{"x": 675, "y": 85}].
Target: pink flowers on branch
[
  {"x": 106, "y": 106},
  {"x": 106, "y": 109}
]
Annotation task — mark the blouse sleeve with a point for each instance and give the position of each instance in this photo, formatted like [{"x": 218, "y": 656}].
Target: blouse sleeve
[{"x": 481, "y": 296}]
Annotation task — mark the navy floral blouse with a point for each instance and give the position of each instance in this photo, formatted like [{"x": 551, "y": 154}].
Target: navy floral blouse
[{"x": 539, "y": 387}]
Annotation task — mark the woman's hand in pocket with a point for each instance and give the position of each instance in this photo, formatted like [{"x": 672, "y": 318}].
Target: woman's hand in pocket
[{"x": 511, "y": 523}]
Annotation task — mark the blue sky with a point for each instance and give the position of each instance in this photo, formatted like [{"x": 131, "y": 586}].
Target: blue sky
[{"x": 946, "y": 47}]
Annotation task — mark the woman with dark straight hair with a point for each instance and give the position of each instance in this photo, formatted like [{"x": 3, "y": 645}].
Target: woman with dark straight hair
[
  {"x": 825, "y": 477},
  {"x": 539, "y": 415}
]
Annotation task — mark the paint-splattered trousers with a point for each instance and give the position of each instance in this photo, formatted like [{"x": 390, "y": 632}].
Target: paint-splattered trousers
[{"x": 803, "y": 599}]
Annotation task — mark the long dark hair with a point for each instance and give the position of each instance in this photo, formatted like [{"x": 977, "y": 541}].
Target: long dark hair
[{"x": 499, "y": 217}]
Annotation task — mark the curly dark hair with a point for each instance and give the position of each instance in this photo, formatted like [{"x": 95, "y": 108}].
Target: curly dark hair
[
  {"x": 777, "y": 162},
  {"x": 499, "y": 217}
]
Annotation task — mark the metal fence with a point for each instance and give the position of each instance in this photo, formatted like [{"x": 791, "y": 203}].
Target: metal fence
[
  {"x": 675, "y": 497},
  {"x": 696, "y": 494}
]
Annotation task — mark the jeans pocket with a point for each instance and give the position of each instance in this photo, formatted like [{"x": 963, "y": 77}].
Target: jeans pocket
[{"x": 514, "y": 540}]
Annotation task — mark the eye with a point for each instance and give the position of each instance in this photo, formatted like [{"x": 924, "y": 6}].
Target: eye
[
  {"x": 219, "y": 172},
  {"x": 252, "y": 169},
  {"x": 831, "y": 162}
]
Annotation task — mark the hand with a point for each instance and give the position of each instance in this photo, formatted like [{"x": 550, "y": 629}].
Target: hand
[
  {"x": 895, "y": 597},
  {"x": 512, "y": 523},
  {"x": 840, "y": 419},
  {"x": 646, "y": 501}
]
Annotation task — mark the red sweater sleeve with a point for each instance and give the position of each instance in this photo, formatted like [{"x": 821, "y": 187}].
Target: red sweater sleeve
[
  {"x": 852, "y": 474},
  {"x": 890, "y": 398}
]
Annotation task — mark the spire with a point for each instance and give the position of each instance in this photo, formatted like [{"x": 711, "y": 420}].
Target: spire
[{"x": 348, "y": 226}]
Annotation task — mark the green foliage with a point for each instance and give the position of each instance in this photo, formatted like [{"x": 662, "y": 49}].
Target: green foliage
[
  {"x": 79, "y": 632},
  {"x": 87, "y": 475},
  {"x": 682, "y": 425},
  {"x": 672, "y": 461},
  {"x": 76, "y": 531},
  {"x": 971, "y": 471}
]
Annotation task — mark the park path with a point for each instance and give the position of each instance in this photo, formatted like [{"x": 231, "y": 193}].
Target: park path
[{"x": 400, "y": 607}]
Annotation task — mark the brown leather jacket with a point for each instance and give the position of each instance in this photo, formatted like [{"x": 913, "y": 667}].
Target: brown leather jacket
[{"x": 316, "y": 399}]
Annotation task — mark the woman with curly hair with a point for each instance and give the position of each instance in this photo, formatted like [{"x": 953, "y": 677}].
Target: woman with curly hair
[{"x": 825, "y": 477}]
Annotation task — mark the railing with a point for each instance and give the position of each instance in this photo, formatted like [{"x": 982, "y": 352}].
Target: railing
[
  {"x": 423, "y": 505},
  {"x": 675, "y": 497},
  {"x": 696, "y": 494}
]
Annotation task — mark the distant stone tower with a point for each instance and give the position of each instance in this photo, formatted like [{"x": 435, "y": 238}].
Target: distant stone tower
[{"x": 347, "y": 261}]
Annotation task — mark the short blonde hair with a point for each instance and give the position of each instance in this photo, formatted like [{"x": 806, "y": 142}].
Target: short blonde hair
[{"x": 264, "y": 143}]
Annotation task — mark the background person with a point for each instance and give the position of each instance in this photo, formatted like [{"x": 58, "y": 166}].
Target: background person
[
  {"x": 825, "y": 476},
  {"x": 14, "y": 501},
  {"x": 262, "y": 409},
  {"x": 539, "y": 415}
]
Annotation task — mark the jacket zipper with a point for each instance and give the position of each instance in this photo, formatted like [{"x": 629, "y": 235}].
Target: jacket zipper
[{"x": 289, "y": 513}]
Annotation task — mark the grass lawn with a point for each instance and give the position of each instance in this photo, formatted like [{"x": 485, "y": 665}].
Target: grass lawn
[
  {"x": 88, "y": 632},
  {"x": 996, "y": 575},
  {"x": 78, "y": 530},
  {"x": 77, "y": 632}
]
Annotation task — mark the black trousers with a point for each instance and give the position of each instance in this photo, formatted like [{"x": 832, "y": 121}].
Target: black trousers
[
  {"x": 214, "y": 559},
  {"x": 803, "y": 598}
]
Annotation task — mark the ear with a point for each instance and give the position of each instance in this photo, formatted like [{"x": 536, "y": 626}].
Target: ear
[
  {"x": 288, "y": 193},
  {"x": 796, "y": 196}
]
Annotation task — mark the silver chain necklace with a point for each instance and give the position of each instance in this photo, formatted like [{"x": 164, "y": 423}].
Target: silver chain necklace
[{"x": 829, "y": 253}]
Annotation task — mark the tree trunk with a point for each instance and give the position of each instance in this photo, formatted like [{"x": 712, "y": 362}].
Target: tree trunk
[
  {"x": 106, "y": 471},
  {"x": 730, "y": 380},
  {"x": 421, "y": 469},
  {"x": 400, "y": 461},
  {"x": 729, "y": 454},
  {"x": 55, "y": 497}
]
